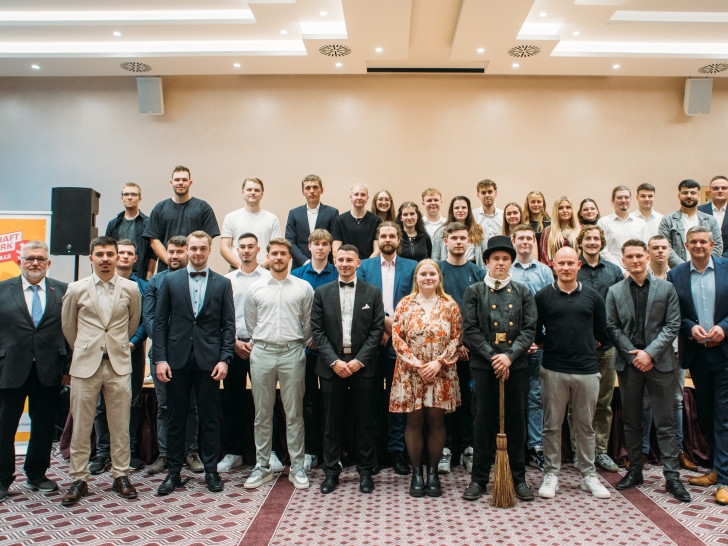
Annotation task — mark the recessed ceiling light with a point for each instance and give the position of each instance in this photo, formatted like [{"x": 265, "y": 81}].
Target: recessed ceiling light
[
  {"x": 615, "y": 66},
  {"x": 515, "y": 65},
  {"x": 236, "y": 65},
  {"x": 543, "y": 14},
  {"x": 339, "y": 65},
  {"x": 379, "y": 50},
  {"x": 284, "y": 32},
  {"x": 324, "y": 14},
  {"x": 481, "y": 50},
  {"x": 35, "y": 67},
  {"x": 576, "y": 33},
  {"x": 117, "y": 33}
]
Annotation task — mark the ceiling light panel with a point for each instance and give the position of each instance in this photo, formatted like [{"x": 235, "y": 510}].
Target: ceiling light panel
[
  {"x": 670, "y": 16},
  {"x": 646, "y": 49},
  {"x": 132, "y": 16}
]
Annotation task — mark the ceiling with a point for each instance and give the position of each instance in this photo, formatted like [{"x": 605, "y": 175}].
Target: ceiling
[{"x": 186, "y": 37}]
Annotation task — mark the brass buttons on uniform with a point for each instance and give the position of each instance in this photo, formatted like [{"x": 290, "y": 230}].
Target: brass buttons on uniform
[
  {"x": 510, "y": 306},
  {"x": 509, "y": 290},
  {"x": 495, "y": 324},
  {"x": 510, "y": 324},
  {"x": 492, "y": 290},
  {"x": 494, "y": 306}
]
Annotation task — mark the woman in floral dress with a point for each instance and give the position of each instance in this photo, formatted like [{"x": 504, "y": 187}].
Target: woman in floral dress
[{"x": 426, "y": 336}]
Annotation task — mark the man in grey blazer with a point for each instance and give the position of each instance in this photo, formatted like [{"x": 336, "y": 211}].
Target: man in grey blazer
[{"x": 643, "y": 320}]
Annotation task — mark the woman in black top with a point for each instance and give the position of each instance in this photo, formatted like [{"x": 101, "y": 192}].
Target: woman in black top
[
  {"x": 588, "y": 212},
  {"x": 416, "y": 244},
  {"x": 534, "y": 213}
]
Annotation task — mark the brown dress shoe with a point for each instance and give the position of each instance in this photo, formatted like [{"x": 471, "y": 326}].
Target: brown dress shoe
[
  {"x": 685, "y": 462},
  {"x": 78, "y": 489},
  {"x": 721, "y": 497},
  {"x": 705, "y": 479},
  {"x": 123, "y": 486}
]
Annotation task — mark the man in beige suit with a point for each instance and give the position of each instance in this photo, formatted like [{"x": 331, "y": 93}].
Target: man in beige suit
[{"x": 100, "y": 314}]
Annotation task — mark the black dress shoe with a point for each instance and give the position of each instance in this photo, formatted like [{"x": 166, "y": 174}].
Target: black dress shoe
[
  {"x": 170, "y": 483},
  {"x": 3, "y": 491},
  {"x": 633, "y": 478},
  {"x": 417, "y": 486},
  {"x": 677, "y": 490},
  {"x": 329, "y": 484},
  {"x": 366, "y": 483},
  {"x": 214, "y": 482},
  {"x": 433, "y": 483},
  {"x": 78, "y": 489},
  {"x": 523, "y": 492},
  {"x": 474, "y": 491},
  {"x": 400, "y": 465}
]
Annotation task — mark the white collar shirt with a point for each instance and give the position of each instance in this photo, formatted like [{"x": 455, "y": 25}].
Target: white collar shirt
[
  {"x": 28, "y": 294},
  {"x": 312, "y": 215},
  {"x": 241, "y": 283},
  {"x": 346, "y": 303},
  {"x": 388, "y": 273}
]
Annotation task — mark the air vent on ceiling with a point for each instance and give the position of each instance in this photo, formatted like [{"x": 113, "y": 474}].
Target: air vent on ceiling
[
  {"x": 524, "y": 50},
  {"x": 713, "y": 68},
  {"x": 334, "y": 50},
  {"x": 134, "y": 66}
]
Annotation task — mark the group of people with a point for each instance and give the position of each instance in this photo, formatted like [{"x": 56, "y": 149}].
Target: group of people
[{"x": 400, "y": 325}]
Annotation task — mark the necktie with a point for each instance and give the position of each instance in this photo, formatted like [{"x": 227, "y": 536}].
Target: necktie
[
  {"x": 36, "y": 311},
  {"x": 194, "y": 274},
  {"x": 342, "y": 284}
]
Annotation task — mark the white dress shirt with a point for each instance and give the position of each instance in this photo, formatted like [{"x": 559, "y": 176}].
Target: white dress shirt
[
  {"x": 492, "y": 224},
  {"x": 652, "y": 221},
  {"x": 432, "y": 227},
  {"x": 312, "y": 215},
  {"x": 718, "y": 213},
  {"x": 28, "y": 294},
  {"x": 346, "y": 303},
  {"x": 279, "y": 311},
  {"x": 241, "y": 287},
  {"x": 105, "y": 295},
  {"x": 617, "y": 232},
  {"x": 198, "y": 285},
  {"x": 388, "y": 271}
]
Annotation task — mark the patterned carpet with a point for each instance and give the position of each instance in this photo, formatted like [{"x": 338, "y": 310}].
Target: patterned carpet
[{"x": 277, "y": 514}]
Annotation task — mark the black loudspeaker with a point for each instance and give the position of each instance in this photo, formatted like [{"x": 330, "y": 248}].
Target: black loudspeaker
[{"x": 73, "y": 224}]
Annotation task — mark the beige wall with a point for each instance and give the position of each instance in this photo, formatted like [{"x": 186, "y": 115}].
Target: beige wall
[{"x": 573, "y": 136}]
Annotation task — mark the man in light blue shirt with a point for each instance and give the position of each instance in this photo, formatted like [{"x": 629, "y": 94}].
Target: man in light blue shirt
[{"x": 534, "y": 275}]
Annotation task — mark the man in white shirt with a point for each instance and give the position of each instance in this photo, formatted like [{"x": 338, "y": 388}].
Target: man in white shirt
[
  {"x": 488, "y": 216},
  {"x": 620, "y": 226},
  {"x": 645, "y": 202},
  {"x": 716, "y": 207},
  {"x": 278, "y": 319},
  {"x": 432, "y": 202},
  {"x": 251, "y": 218},
  {"x": 234, "y": 411}
]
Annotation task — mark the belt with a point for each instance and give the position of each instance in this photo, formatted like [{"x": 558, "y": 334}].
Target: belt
[
  {"x": 244, "y": 339},
  {"x": 500, "y": 337},
  {"x": 279, "y": 346},
  {"x": 346, "y": 350}
]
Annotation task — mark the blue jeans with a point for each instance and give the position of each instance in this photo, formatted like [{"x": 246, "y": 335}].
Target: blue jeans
[{"x": 535, "y": 403}]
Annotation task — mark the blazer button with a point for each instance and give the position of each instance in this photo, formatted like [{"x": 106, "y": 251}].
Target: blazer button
[
  {"x": 191, "y": 339},
  {"x": 495, "y": 324}
]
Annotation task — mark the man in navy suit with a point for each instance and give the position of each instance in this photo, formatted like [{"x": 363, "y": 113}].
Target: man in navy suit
[
  {"x": 393, "y": 275},
  {"x": 702, "y": 288},
  {"x": 303, "y": 220},
  {"x": 194, "y": 336},
  {"x": 717, "y": 206},
  {"x": 33, "y": 356}
]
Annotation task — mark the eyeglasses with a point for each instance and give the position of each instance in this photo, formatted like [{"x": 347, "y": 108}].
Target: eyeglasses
[
  {"x": 130, "y": 195},
  {"x": 41, "y": 261}
]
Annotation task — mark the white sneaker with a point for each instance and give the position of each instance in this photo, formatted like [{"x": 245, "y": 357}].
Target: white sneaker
[
  {"x": 592, "y": 484},
  {"x": 299, "y": 479},
  {"x": 309, "y": 462},
  {"x": 549, "y": 486},
  {"x": 259, "y": 476},
  {"x": 229, "y": 462},
  {"x": 466, "y": 459},
  {"x": 443, "y": 467},
  {"x": 275, "y": 463}
]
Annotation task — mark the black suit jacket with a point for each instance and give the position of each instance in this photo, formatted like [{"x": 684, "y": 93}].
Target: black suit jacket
[
  {"x": 177, "y": 331},
  {"x": 366, "y": 327},
  {"x": 21, "y": 341},
  {"x": 707, "y": 208},
  {"x": 297, "y": 231}
]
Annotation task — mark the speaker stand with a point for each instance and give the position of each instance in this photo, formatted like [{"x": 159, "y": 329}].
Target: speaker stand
[{"x": 76, "y": 259}]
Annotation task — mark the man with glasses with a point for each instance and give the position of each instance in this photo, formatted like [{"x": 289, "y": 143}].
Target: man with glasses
[
  {"x": 716, "y": 207},
  {"x": 130, "y": 224}
]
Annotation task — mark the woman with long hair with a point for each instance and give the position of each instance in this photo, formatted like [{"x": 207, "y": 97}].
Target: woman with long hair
[
  {"x": 461, "y": 211},
  {"x": 534, "y": 213},
  {"x": 512, "y": 216},
  {"x": 416, "y": 244},
  {"x": 588, "y": 212},
  {"x": 426, "y": 335},
  {"x": 383, "y": 206},
  {"x": 562, "y": 232}
]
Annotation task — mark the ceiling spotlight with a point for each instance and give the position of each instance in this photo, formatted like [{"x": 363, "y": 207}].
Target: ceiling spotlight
[
  {"x": 236, "y": 65},
  {"x": 615, "y": 66},
  {"x": 35, "y": 67},
  {"x": 379, "y": 50},
  {"x": 515, "y": 65},
  {"x": 284, "y": 32},
  {"x": 324, "y": 14},
  {"x": 481, "y": 50},
  {"x": 117, "y": 33},
  {"x": 543, "y": 14},
  {"x": 339, "y": 65},
  {"x": 576, "y": 33}
]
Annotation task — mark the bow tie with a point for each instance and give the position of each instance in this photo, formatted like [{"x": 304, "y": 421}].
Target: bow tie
[
  {"x": 342, "y": 284},
  {"x": 194, "y": 274}
]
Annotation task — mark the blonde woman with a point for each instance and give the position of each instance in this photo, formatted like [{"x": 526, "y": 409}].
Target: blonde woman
[
  {"x": 512, "y": 216},
  {"x": 534, "y": 213},
  {"x": 562, "y": 232},
  {"x": 426, "y": 336}
]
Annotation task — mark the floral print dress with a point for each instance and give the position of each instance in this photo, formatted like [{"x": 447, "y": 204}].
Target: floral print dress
[{"x": 420, "y": 337}]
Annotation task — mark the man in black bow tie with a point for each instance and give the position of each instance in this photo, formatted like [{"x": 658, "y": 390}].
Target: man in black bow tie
[{"x": 347, "y": 321}]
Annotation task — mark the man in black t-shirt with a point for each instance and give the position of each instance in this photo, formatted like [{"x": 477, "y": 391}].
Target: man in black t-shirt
[
  {"x": 131, "y": 224},
  {"x": 180, "y": 215},
  {"x": 358, "y": 226}
]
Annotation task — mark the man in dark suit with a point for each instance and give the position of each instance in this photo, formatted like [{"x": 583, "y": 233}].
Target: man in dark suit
[
  {"x": 717, "y": 207},
  {"x": 194, "y": 335},
  {"x": 643, "y": 319},
  {"x": 702, "y": 288},
  {"x": 33, "y": 356},
  {"x": 347, "y": 320},
  {"x": 303, "y": 220},
  {"x": 393, "y": 275}
]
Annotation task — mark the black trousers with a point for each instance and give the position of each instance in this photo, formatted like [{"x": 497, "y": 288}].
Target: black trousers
[
  {"x": 234, "y": 405},
  {"x": 486, "y": 401},
  {"x": 178, "y": 394},
  {"x": 312, "y": 407},
  {"x": 42, "y": 405},
  {"x": 334, "y": 395},
  {"x": 461, "y": 420}
]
